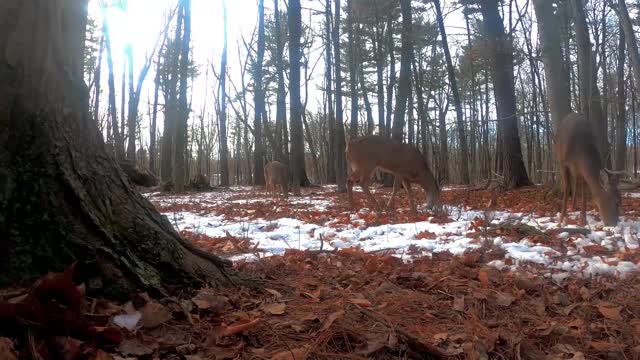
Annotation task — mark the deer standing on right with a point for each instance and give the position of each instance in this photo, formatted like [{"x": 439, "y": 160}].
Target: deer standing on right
[
  {"x": 576, "y": 149},
  {"x": 276, "y": 173}
]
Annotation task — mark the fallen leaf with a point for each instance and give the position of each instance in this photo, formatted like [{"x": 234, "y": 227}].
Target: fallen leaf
[
  {"x": 361, "y": 302},
  {"x": 128, "y": 321},
  {"x": 6, "y": 349},
  {"x": 273, "y": 292},
  {"x": 610, "y": 312},
  {"x": 504, "y": 299},
  {"x": 275, "y": 308},
  {"x": 295, "y": 354},
  {"x": 372, "y": 345},
  {"x": 440, "y": 337},
  {"x": 185, "y": 349},
  {"x": 208, "y": 300},
  {"x": 136, "y": 347},
  {"x": 192, "y": 357},
  {"x": 330, "y": 320},
  {"x": 67, "y": 346},
  {"x": 606, "y": 346},
  {"x": 483, "y": 277},
  {"x": 458, "y": 303},
  {"x": 235, "y": 328},
  {"x": 154, "y": 315}
]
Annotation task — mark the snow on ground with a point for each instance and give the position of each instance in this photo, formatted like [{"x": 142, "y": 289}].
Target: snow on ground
[{"x": 573, "y": 255}]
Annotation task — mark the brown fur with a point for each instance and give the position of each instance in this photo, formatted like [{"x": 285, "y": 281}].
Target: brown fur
[
  {"x": 576, "y": 149},
  {"x": 404, "y": 161},
  {"x": 276, "y": 173}
]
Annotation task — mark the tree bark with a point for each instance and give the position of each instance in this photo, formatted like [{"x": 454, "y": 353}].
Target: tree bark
[
  {"x": 224, "y": 151},
  {"x": 65, "y": 198},
  {"x": 405, "y": 72},
  {"x": 258, "y": 154},
  {"x": 557, "y": 79},
  {"x": 353, "y": 72},
  {"x": 501, "y": 64},
  {"x": 281, "y": 115},
  {"x": 589, "y": 92},
  {"x": 379, "y": 51},
  {"x": 464, "y": 149},
  {"x": 180, "y": 140},
  {"x": 297, "y": 166},
  {"x": 340, "y": 160},
  {"x": 331, "y": 153},
  {"x": 391, "y": 83}
]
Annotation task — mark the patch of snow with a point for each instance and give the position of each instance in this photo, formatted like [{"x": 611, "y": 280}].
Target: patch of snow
[{"x": 274, "y": 237}]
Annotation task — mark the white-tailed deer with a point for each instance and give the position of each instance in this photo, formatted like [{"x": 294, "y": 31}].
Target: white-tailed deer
[
  {"x": 576, "y": 148},
  {"x": 276, "y": 173},
  {"x": 405, "y": 162}
]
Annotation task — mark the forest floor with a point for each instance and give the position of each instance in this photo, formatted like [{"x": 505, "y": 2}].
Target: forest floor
[{"x": 482, "y": 282}]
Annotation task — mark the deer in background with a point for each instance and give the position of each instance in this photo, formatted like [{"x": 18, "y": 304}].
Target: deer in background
[
  {"x": 576, "y": 149},
  {"x": 276, "y": 173},
  {"x": 404, "y": 161}
]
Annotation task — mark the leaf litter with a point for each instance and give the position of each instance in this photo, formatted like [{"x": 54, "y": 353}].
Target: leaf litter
[{"x": 352, "y": 302}]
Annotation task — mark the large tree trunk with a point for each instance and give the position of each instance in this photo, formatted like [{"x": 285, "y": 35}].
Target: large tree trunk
[
  {"x": 65, "y": 200},
  {"x": 180, "y": 140},
  {"x": 297, "y": 138},
  {"x": 501, "y": 64},
  {"x": 557, "y": 79},
  {"x": 340, "y": 160},
  {"x": 464, "y": 149},
  {"x": 404, "y": 83},
  {"x": 258, "y": 154}
]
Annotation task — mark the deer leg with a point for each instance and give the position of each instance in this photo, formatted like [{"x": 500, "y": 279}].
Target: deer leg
[
  {"x": 564, "y": 172},
  {"x": 583, "y": 211},
  {"x": 350, "y": 189},
  {"x": 397, "y": 182},
  {"x": 364, "y": 182},
  {"x": 574, "y": 202},
  {"x": 407, "y": 188}
]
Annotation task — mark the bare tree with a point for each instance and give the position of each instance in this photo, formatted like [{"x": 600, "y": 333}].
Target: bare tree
[
  {"x": 404, "y": 81},
  {"x": 224, "y": 151},
  {"x": 258, "y": 154},
  {"x": 501, "y": 64},
  {"x": 340, "y": 160},
  {"x": 464, "y": 149},
  {"x": 297, "y": 165}
]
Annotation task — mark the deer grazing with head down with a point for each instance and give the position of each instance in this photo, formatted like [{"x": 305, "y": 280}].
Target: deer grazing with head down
[
  {"x": 576, "y": 149},
  {"x": 405, "y": 162},
  {"x": 276, "y": 173}
]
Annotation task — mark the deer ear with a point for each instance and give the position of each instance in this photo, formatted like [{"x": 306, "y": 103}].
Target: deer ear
[{"x": 604, "y": 179}]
